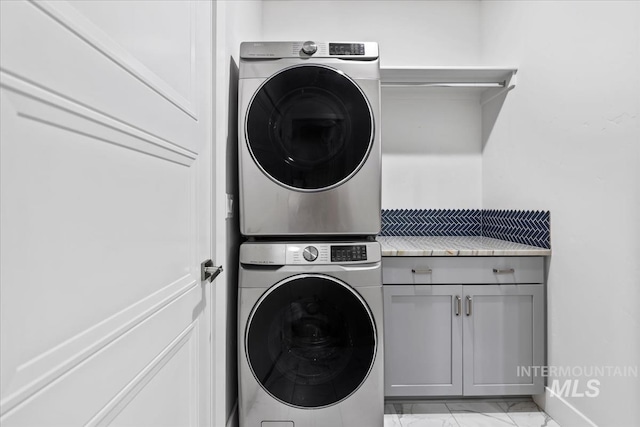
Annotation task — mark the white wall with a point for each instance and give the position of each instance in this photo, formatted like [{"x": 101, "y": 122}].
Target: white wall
[
  {"x": 437, "y": 159},
  {"x": 237, "y": 21},
  {"x": 568, "y": 140},
  {"x": 431, "y": 148}
]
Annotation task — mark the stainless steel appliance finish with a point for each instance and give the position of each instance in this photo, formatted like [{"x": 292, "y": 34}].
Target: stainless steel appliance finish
[
  {"x": 309, "y": 139},
  {"x": 310, "y": 334}
]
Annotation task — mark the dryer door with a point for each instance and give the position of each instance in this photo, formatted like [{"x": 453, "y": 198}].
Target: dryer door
[
  {"x": 310, "y": 341},
  {"x": 309, "y": 127}
]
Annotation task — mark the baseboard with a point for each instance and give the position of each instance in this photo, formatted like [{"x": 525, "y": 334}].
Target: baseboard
[
  {"x": 233, "y": 421},
  {"x": 562, "y": 411}
]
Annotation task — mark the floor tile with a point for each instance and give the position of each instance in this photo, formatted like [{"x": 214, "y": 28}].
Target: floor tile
[
  {"x": 527, "y": 414},
  {"x": 518, "y": 406},
  {"x": 480, "y": 414},
  {"x": 391, "y": 421},
  {"x": 467, "y": 413},
  {"x": 391, "y": 418},
  {"x": 425, "y": 415}
]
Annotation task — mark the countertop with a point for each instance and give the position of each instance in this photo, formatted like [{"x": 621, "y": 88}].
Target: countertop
[{"x": 455, "y": 246}]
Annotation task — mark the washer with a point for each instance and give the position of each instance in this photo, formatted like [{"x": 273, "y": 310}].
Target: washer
[
  {"x": 310, "y": 335},
  {"x": 309, "y": 139}
]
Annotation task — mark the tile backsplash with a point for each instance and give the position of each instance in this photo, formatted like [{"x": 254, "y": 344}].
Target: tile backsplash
[
  {"x": 526, "y": 227},
  {"x": 431, "y": 222}
]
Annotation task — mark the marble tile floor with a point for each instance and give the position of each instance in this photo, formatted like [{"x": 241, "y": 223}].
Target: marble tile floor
[{"x": 466, "y": 413}]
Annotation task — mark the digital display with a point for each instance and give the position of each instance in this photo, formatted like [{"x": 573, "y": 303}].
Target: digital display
[
  {"x": 348, "y": 253},
  {"x": 346, "y": 49}
]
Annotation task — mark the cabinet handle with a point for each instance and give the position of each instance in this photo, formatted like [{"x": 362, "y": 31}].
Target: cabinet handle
[
  {"x": 469, "y": 300},
  {"x": 458, "y": 305},
  {"x": 504, "y": 270},
  {"x": 421, "y": 270}
]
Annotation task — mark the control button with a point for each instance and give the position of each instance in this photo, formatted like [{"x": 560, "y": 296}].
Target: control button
[
  {"x": 310, "y": 253},
  {"x": 309, "y": 47}
]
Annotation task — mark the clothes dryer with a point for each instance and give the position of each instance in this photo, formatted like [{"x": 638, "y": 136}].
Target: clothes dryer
[
  {"x": 310, "y": 335},
  {"x": 309, "y": 139}
]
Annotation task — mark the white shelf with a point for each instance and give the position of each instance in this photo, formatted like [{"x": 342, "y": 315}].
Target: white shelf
[
  {"x": 489, "y": 84},
  {"x": 490, "y": 81}
]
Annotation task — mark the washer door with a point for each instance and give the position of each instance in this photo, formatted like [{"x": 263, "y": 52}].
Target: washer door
[
  {"x": 311, "y": 341},
  {"x": 309, "y": 127}
]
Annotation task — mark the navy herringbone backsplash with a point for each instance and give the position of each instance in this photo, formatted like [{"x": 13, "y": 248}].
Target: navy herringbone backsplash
[
  {"x": 431, "y": 222},
  {"x": 526, "y": 227}
]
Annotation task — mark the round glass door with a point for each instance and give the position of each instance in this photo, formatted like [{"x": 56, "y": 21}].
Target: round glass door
[
  {"x": 309, "y": 127},
  {"x": 311, "y": 341}
]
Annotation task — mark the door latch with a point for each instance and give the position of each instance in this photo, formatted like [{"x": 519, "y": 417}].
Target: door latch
[{"x": 208, "y": 271}]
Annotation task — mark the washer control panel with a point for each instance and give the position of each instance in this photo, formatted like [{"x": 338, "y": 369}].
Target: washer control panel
[
  {"x": 332, "y": 253},
  {"x": 309, "y": 253},
  {"x": 340, "y": 253},
  {"x": 305, "y": 253}
]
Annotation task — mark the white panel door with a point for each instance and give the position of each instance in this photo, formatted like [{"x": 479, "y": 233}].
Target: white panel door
[{"x": 106, "y": 213}]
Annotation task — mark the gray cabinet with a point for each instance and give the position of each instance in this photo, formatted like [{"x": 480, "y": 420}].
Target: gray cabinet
[
  {"x": 502, "y": 333},
  {"x": 467, "y": 339},
  {"x": 423, "y": 340}
]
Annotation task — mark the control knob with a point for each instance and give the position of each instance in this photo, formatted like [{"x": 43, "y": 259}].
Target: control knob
[
  {"x": 310, "y": 253},
  {"x": 309, "y": 47}
]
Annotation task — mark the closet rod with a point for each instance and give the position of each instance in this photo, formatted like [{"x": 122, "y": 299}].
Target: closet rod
[{"x": 445, "y": 84}]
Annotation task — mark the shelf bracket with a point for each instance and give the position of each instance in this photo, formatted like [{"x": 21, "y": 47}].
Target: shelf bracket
[{"x": 490, "y": 96}]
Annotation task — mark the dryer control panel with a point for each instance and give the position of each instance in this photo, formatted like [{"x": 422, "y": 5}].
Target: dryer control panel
[
  {"x": 365, "y": 51},
  {"x": 346, "y": 49},
  {"x": 332, "y": 253}
]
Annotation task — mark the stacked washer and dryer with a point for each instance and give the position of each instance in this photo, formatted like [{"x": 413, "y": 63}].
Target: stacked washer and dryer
[{"x": 310, "y": 281}]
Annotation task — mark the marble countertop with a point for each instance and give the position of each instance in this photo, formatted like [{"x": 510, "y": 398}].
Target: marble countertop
[{"x": 455, "y": 246}]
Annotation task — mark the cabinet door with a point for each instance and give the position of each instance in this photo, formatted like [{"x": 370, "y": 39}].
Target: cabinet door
[
  {"x": 423, "y": 340},
  {"x": 503, "y": 332}
]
